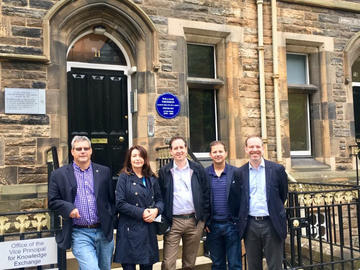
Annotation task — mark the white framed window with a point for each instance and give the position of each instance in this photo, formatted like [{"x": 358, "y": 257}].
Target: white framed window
[
  {"x": 201, "y": 61},
  {"x": 297, "y": 66}
]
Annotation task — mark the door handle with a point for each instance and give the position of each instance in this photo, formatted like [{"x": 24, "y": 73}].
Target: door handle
[{"x": 121, "y": 139}]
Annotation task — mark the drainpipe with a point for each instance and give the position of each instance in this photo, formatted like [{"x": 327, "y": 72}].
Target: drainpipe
[
  {"x": 276, "y": 81},
  {"x": 262, "y": 75}
]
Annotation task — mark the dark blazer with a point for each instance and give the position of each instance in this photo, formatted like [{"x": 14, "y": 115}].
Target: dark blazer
[
  {"x": 61, "y": 196},
  {"x": 230, "y": 184},
  {"x": 136, "y": 240},
  {"x": 276, "y": 194},
  {"x": 199, "y": 188}
]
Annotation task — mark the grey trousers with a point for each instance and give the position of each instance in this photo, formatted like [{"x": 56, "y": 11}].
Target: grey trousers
[{"x": 261, "y": 240}]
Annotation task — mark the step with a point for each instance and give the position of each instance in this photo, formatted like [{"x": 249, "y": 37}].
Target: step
[
  {"x": 308, "y": 165},
  {"x": 319, "y": 176}
]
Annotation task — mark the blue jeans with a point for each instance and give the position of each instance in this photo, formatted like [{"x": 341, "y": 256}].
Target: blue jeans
[
  {"x": 225, "y": 245},
  {"x": 91, "y": 249}
]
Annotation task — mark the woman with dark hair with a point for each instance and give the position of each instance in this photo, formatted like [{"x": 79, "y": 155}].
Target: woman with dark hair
[{"x": 138, "y": 202}]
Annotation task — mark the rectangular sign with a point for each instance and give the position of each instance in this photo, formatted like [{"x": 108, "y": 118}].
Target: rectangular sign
[
  {"x": 24, "y": 101},
  {"x": 28, "y": 253},
  {"x": 99, "y": 140}
]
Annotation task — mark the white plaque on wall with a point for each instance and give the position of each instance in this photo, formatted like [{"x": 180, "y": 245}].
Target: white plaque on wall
[{"x": 24, "y": 101}]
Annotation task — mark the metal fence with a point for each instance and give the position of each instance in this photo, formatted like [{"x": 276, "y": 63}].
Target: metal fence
[
  {"x": 324, "y": 227},
  {"x": 25, "y": 226},
  {"x": 32, "y": 225}
]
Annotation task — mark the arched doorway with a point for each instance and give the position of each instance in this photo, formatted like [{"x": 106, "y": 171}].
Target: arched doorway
[
  {"x": 126, "y": 25},
  {"x": 98, "y": 87}
]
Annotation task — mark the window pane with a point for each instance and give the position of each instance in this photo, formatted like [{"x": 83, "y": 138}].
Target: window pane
[
  {"x": 296, "y": 69},
  {"x": 200, "y": 61},
  {"x": 298, "y": 120},
  {"x": 96, "y": 49},
  {"x": 202, "y": 119},
  {"x": 356, "y": 71}
]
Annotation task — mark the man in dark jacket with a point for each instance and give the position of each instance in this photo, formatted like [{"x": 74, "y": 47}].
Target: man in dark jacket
[
  {"x": 261, "y": 187},
  {"x": 82, "y": 193},
  {"x": 185, "y": 191},
  {"x": 223, "y": 238}
]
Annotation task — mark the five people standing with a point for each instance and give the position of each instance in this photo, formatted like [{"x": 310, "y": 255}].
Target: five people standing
[{"x": 234, "y": 203}]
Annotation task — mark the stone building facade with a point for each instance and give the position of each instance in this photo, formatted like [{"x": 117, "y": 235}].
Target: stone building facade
[{"x": 283, "y": 69}]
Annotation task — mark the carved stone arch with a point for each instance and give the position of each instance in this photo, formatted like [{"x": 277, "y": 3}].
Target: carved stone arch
[
  {"x": 351, "y": 54},
  {"x": 121, "y": 20}
]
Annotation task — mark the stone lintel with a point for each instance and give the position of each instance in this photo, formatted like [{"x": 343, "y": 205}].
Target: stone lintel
[
  {"x": 205, "y": 82},
  {"x": 23, "y": 189}
]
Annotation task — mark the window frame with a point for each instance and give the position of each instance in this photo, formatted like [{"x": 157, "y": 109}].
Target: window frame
[
  {"x": 214, "y": 58},
  {"x": 304, "y": 89},
  {"x": 205, "y": 84},
  {"x": 302, "y": 153},
  {"x": 307, "y": 72}
]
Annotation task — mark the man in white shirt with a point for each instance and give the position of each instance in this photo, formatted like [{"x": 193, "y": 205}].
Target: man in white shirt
[{"x": 185, "y": 190}]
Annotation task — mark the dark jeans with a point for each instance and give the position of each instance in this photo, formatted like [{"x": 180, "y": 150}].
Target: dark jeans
[
  {"x": 225, "y": 245},
  {"x": 127, "y": 266},
  {"x": 261, "y": 240}
]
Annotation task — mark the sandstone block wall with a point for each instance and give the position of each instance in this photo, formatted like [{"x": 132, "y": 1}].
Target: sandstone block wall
[{"x": 24, "y": 139}]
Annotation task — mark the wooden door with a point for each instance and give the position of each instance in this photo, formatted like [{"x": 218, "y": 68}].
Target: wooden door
[{"x": 98, "y": 109}]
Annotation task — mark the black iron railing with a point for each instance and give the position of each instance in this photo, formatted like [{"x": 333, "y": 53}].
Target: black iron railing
[
  {"x": 324, "y": 226},
  {"x": 164, "y": 157},
  {"x": 53, "y": 164}
]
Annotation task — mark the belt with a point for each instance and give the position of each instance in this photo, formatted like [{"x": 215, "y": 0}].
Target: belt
[
  {"x": 92, "y": 226},
  {"x": 259, "y": 218},
  {"x": 188, "y": 216}
]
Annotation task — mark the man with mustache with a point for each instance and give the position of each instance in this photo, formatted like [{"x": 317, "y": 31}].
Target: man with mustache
[
  {"x": 262, "y": 186},
  {"x": 82, "y": 193}
]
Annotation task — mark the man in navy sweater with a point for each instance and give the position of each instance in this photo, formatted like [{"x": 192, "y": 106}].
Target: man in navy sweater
[{"x": 223, "y": 237}]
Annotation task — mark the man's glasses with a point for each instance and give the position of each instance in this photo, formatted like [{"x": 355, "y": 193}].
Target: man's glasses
[{"x": 79, "y": 149}]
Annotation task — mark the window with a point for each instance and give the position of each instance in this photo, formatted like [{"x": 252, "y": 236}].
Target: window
[
  {"x": 98, "y": 49},
  {"x": 202, "y": 98},
  {"x": 202, "y": 118},
  {"x": 298, "y": 100},
  {"x": 201, "y": 61},
  {"x": 297, "y": 69}
]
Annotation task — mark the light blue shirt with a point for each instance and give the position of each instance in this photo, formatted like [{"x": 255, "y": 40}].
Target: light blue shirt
[
  {"x": 183, "y": 200},
  {"x": 257, "y": 183}
]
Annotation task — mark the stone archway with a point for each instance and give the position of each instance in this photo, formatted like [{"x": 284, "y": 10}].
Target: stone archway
[
  {"x": 123, "y": 20},
  {"x": 351, "y": 64}
]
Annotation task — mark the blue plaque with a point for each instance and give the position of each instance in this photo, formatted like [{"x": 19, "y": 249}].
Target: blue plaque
[{"x": 168, "y": 105}]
